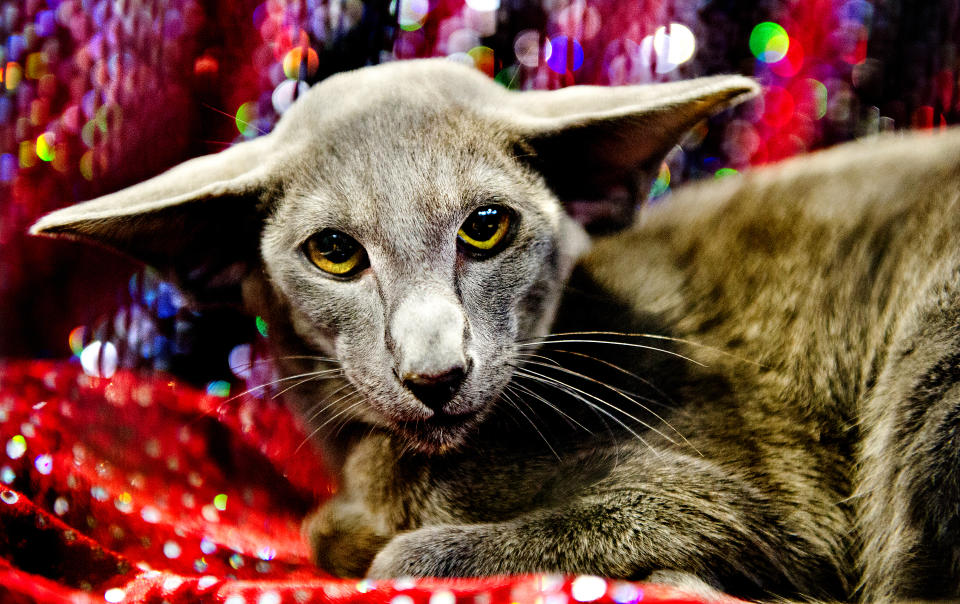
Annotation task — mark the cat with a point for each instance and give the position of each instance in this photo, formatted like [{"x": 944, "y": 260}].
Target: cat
[{"x": 753, "y": 388}]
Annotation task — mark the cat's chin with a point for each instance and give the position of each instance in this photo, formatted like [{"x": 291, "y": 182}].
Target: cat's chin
[{"x": 439, "y": 434}]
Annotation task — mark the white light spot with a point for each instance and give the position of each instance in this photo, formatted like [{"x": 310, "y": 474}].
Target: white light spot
[
  {"x": 114, "y": 595},
  {"x": 443, "y": 597},
  {"x": 207, "y": 546},
  {"x": 150, "y": 514},
  {"x": 402, "y": 599},
  {"x": 269, "y": 597},
  {"x": 99, "y": 359},
  {"x": 483, "y": 6},
  {"x": 171, "y": 549},
  {"x": 625, "y": 593},
  {"x": 587, "y": 588},
  {"x": 673, "y": 48},
  {"x": 207, "y": 581},
  {"x": 172, "y": 583},
  {"x": 43, "y": 464},
  {"x": 16, "y": 447},
  {"x": 527, "y": 47},
  {"x": 61, "y": 506}
]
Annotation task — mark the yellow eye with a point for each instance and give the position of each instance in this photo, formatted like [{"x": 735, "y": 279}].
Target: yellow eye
[
  {"x": 336, "y": 253},
  {"x": 485, "y": 229}
]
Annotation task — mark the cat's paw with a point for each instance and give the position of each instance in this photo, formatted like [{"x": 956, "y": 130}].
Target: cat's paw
[
  {"x": 438, "y": 551},
  {"x": 344, "y": 538}
]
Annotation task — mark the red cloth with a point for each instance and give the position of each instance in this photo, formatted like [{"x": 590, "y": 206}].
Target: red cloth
[{"x": 140, "y": 489}]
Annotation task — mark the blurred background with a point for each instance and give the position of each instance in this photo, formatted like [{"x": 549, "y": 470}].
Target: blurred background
[{"x": 99, "y": 94}]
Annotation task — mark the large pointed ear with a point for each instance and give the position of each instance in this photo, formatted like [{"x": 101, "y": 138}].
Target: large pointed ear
[
  {"x": 199, "y": 223},
  {"x": 607, "y": 143}
]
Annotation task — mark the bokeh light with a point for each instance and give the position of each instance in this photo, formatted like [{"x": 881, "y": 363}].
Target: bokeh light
[
  {"x": 769, "y": 42},
  {"x": 674, "y": 45},
  {"x": 564, "y": 55}
]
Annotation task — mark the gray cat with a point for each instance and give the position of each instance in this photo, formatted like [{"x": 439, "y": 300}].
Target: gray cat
[{"x": 754, "y": 388}]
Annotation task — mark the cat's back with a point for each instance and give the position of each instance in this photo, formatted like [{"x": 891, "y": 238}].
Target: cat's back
[{"x": 804, "y": 267}]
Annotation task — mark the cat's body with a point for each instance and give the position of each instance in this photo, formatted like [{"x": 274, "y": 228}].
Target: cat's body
[{"x": 784, "y": 427}]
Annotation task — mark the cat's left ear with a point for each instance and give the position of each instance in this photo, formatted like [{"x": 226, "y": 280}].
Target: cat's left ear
[
  {"x": 595, "y": 143},
  {"x": 198, "y": 223}
]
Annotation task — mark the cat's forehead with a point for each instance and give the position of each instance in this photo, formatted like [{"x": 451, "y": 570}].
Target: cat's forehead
[{"x": 407, "y": 176}]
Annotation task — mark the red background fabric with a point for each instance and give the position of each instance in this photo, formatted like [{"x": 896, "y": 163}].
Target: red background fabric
[{"x": 141, "y": 489}]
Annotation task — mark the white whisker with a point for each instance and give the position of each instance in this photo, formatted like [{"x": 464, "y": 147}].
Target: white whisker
[
  {"x": 579, "y": 395},
  {"x": 611, "y": 343}
]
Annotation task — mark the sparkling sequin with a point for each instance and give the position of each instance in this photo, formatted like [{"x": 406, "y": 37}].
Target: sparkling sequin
[
  {"x": 16, "y": 447},
  {"x": 150, "y": 514},
  {"x": 269, "y": 597},
  {"x": 587, "y": 588},
  {"x": 207, "y": 546},
  {"x": 236, "y": 561},
  {"x": 61, "y": 506},
  {"x": 9, "y": 497},
  {"x": 625, "y": 593},
  {"x": 7, "y": 475},
  {"x": 124, "y": 502},
  {"x": 114, "y": 595},
  {"x": 444, "y": 596},
  {"x": 43, "y": 464},
  {"x": 171, "y": 549},
  {"x": 220, "y": 502}
]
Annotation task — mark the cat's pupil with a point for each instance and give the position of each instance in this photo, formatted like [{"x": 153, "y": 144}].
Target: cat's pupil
[
  {"x": 335, "y": 246},
  {"x": 483, "y": 224}
]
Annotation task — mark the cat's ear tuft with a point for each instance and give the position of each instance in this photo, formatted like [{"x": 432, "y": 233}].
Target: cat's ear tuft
[
  {"x": 595, "y": 143},
  {"x": 199, "y": 222}
]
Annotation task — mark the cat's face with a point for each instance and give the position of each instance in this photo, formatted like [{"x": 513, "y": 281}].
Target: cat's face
[
  {"x": 421, "y": 272},
  {"x": 409, "y": 220}
]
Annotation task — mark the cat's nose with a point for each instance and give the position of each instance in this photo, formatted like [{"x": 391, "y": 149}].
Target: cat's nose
[{"x": 436, "y": 390}]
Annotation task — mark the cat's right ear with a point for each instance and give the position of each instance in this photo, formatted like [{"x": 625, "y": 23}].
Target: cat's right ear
[
  {"x": 606, "y": 144},
  {"x": 198, "y": 223}
]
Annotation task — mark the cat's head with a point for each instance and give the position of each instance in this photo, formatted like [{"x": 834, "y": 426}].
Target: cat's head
[{"x": 410, "y": 221}]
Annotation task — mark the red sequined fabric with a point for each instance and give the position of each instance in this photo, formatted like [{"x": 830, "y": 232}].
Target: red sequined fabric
[{"x": 141, "y": 489}]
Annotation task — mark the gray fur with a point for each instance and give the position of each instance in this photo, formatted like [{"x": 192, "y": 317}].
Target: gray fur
[{"x": 785, "y": 429}]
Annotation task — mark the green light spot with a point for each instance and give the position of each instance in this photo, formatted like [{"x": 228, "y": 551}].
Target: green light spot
[
  {"x": 769, "y": 42},
  {"x": 723, "y": 172},
  {"x": 45, "y": 146},
  {"x": 819, "y": 93},
  {"x": 218, "y": 388},
  {"x": 220, "y": 502},
  {"x": 508, "y": 77},
  {"x": 262, "y": 326},
  {"x": 246, "y": 114},
  {"x": 662, "y": 184}
]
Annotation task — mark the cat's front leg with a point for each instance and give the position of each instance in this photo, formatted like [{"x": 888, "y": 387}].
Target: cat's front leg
[
  {"x": 344, "y": 537},
  {"x": 687, "y": 515}
]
